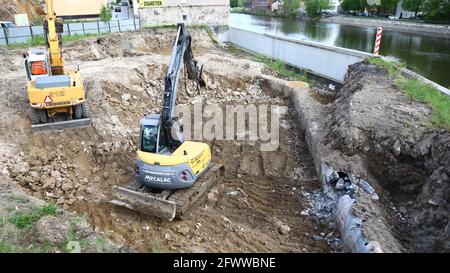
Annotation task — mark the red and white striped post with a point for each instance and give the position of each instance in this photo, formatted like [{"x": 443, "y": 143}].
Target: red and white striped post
[{"x": 378, "y": 41}]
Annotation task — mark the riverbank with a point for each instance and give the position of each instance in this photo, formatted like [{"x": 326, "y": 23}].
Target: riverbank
[
  {"x": 437, "y": 30},
  {"x": 425, "y": 54},
  {"x": 264, "y": 13}
]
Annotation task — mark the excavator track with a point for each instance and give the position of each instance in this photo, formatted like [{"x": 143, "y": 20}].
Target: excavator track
[
  {"x": 186, "y": 197},
  {"x": 167, "y": 204}
]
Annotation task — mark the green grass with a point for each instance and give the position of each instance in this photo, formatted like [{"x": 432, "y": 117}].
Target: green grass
[
  {"x": 419, "y": 91},
  {"x": 281, "y": 68},
  {"x": 78, "y": 37},
  {"x": 440, "y": 102},
  {"x": 24, "y": 220},
  {"x": 18, "y": 199},
  {"x": 40, "y": 40},
  {"x": 276, "y": 65},
  {"x": 168, "y": 26},
  {"x": 237, "y": 10},
  {"x": 155, "y": 248},
  {"x": 7, "y": 248},
  {"x": 210, "y": 33},
  {"x": 391, "y": 67}
]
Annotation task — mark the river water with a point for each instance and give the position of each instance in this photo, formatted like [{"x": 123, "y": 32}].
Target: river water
[{"x": 427, "y": 55}]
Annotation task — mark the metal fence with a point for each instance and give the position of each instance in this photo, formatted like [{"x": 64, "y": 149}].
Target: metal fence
[{"x": 26, "y": 34}]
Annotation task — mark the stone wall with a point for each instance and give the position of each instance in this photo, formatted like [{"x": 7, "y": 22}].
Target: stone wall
[{"x": 214, "y": 15}]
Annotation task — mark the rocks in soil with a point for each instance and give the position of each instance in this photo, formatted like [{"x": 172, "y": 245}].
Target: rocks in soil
[
  {"x": 366, "y": 186},
  {"x": 284, "y": 229},
  {"x": 317, "y": 238},
  {"x": 22, "y": 167},
  {"x": 51, "y": 229},
  {"x": 183, "y": 229},
  {"x": 340, "y": 184},
  {"x": 126, "y": 97}
]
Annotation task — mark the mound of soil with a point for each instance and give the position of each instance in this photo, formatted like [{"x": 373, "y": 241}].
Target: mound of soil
[
  {"x": 399, "y": 149},
  {"x": 11, "y": 7}
]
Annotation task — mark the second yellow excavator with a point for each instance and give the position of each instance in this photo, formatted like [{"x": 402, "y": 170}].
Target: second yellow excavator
[{"x": 56, "y": 94}]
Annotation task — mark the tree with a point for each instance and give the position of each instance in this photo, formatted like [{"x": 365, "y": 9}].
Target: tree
[
  {"x": 236, "y": 3},
  {"x": 314, "y": 8},
  {"x": 354, "y": 5},
  {"x": 413, "y": 5},
  {"x": 437, "y": 10},
  {"x": 290, "y": 6},
  {"x": 105, "y": 14},
  {"x": 386, "y": 7}
]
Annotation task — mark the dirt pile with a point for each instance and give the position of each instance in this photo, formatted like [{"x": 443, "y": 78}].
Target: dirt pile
[
  {"x": 30, "y": 225},
  {"x": 148, "y": 42},
  {"x": 373, "y": 120},
  {"x": 8, "y": 8}
]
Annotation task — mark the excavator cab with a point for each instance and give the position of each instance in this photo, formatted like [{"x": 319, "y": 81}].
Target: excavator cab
[
  {"x": 149, "y": 139},
  {"x": 153, "y": 139},
  {"x": 36, "y": 64},
  {"x": 38, "y": 68}
]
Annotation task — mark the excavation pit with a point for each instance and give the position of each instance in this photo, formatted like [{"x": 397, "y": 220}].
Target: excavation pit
[{"x": 258, "y": 206}]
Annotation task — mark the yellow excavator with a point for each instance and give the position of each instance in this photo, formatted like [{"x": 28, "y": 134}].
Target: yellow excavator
[
  {"x": 170, "y": 173},
  {"x": 56, "y": 94}
]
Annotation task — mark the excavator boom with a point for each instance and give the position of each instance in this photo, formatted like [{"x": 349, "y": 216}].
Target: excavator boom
[
  {"x": 181, "y": 54},
  {"x": 53, "y": 40}
]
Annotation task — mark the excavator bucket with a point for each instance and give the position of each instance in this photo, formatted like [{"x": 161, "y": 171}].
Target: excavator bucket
[
  {"x": 61, "y": 125},
  {"x": 168, "y": 204}
]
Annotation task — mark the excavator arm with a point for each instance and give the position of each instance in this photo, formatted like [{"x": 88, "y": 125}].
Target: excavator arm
[
  {"x": 181, "y": 54},
  {"x": 53, "y": 39}
]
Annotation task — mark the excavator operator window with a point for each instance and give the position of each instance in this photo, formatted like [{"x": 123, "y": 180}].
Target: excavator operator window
[
  {"x": 149, "y": 139},
  {"x": 38, "y": 68}
]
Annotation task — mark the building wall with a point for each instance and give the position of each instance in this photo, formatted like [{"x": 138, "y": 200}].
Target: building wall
[
  {"x": 211, "y": 12},
  {"x": 78, "y": 7},
  {"x": 174, "y": 3},
  {"x": 404, "y": 13},
  {"x": 261, "y": 5}
]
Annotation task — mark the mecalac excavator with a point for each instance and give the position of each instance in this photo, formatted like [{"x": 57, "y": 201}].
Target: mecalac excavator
[
  {"x": 170, "y": 173},
  {"x": 56, "y": 94}
]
